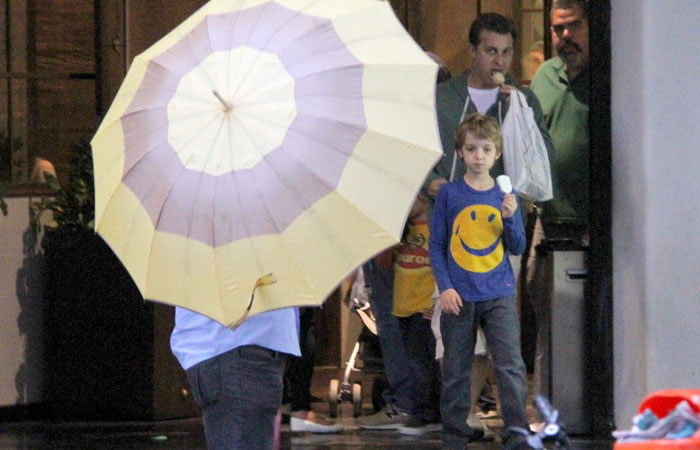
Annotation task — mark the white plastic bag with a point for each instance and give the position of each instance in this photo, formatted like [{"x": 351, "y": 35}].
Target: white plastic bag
[{"x": 524, "y": 151}]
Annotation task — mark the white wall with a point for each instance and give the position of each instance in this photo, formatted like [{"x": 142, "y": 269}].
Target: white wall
[
  {"x": 21, "y": 306},
  {"x": 656, "y": 202}
]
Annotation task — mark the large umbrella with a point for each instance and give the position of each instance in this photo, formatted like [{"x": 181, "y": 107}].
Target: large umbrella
[{"x": 286, "y": 137}]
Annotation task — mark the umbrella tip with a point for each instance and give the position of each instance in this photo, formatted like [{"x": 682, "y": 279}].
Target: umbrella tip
[{"x": 227, "y": 106}]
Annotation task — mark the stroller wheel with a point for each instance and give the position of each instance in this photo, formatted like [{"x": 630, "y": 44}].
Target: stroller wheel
[
  {"x": 378, "y": 387},
  {"x": 333, "y": 394},
  {"x": 356, "y": 399}
]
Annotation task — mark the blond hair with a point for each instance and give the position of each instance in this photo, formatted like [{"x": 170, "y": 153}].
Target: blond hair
[{"x": 481, "y": 127}]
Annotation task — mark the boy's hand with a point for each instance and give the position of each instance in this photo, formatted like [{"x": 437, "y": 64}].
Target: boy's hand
[
  {"x": 450, "y": 301},
  {"x": 509, "y": 206}
]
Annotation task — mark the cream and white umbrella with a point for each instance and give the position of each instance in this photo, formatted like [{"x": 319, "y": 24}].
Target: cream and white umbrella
[{"x": 286, "y": 137}]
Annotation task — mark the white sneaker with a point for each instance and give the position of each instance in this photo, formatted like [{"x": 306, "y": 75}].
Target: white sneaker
[{"x": 300, "y": 421}]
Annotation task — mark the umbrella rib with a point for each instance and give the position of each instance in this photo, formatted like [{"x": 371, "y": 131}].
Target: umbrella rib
[
  {"x": 220, "y": 73},
  {"x": 250, "y": 242},
  {"x": 400, "y": 176},
  {"x": 284, "y": 245},
  {"x": 133, "y": 227},
  {"x": 332, "y": 146},
  {"x": 145, "y": 153},
  {"x": 247, "y": 74},
  {"x": 271, "y": 37},
  {"x": 217, "y": 271},
  {"x": 267, "y": 209},
  {"x": 281, "y": 239},
  {"x": 213, "y": 154},
  {"x": 179, "y": 76},
  {"x": 248, "y": 233}
]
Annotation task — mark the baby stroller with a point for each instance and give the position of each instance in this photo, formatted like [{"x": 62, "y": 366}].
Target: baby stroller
[{"x": 367, "y": 350}]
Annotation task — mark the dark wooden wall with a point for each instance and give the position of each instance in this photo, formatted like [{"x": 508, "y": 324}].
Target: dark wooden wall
[{"x": 47, "y": 62}]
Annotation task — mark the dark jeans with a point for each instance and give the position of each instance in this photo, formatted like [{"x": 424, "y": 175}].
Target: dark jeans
[
  {"x": 239, "y": 392},
  {"x": 499, "y": 320},
  {"x": 301, "y": 368},
  {"x": 419, "y": 341},
  {"x": 401, "y": 392}
]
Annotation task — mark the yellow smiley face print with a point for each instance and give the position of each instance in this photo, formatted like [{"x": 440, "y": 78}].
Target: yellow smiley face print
[{"x": 476, "y": 238}]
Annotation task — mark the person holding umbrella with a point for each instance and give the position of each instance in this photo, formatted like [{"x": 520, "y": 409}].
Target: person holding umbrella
[
  {"x": 236, "y": 375},
  {"x": 247, "y": 145}
]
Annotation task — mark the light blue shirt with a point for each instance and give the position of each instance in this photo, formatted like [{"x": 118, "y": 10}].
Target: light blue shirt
[{"x": 197, "y": 338}]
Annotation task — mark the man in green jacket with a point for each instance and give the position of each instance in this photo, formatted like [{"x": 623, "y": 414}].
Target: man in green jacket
[
  {"x": 491, "y": 40},
  {"x": 562, "y": 84}
]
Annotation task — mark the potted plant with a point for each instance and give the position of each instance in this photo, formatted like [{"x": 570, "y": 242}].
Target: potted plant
[
  {"x": 72, "y": 207},
  {"x": 107, "y": 352}
]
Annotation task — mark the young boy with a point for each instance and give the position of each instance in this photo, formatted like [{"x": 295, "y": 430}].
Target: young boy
[
  {"x": 402, "y": 287},
  {"x": 473, "y": 230},
  {"x": 413, "y": 303}
]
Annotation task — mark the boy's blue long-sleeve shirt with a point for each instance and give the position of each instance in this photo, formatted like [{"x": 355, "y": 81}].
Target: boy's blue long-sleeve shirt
[{"x": 470, "y": 242}]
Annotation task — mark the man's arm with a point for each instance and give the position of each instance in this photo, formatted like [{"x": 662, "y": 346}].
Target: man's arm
[
  {"x": 448, "y": 104},
  {"x": 534, "y": 103}
]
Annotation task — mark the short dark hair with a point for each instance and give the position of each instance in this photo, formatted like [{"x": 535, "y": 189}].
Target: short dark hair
[
  {"x": 491, "y": 22},
  {"x": 570, "y": 4}
]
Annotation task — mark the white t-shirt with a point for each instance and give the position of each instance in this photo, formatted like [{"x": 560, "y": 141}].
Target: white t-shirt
[{"x": 483, "y": 98}]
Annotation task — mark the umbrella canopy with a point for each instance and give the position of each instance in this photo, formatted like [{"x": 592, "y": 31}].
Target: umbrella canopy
[{"x": 286, "y": 137}]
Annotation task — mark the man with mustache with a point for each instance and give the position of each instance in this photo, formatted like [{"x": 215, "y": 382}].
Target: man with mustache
[{"x": 562, "y": 86}]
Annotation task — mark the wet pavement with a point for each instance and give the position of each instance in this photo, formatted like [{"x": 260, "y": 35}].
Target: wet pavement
[{"x": 188, "y": 433}]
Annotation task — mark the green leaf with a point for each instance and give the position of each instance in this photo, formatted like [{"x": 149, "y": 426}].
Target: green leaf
[{"x": 52, "y": 181}]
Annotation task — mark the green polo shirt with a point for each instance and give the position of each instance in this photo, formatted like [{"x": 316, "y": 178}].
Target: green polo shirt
[{"x": 565, "y": 108}]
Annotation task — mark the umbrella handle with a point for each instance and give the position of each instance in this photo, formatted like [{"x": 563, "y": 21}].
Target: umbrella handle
[{"x": 262, "y": 281}]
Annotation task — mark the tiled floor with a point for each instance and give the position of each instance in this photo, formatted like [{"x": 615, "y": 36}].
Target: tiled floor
[{"x": 187, "y": 434}]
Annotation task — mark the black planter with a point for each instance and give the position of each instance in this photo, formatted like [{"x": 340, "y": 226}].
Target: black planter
[{"x": 107, "y": 350}]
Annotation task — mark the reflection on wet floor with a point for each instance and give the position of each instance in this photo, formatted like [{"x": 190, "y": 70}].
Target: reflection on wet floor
[{"x": 188, "y": 433}]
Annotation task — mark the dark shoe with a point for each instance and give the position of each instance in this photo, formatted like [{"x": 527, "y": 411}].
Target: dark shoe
[
  {"x": 386, "y": 419},
  {"x": 477, "y": 426},
  {"x": 516, "y": 440},
  {"x": 477, "y": 435},
  {"x": 486, "y": 401}
]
